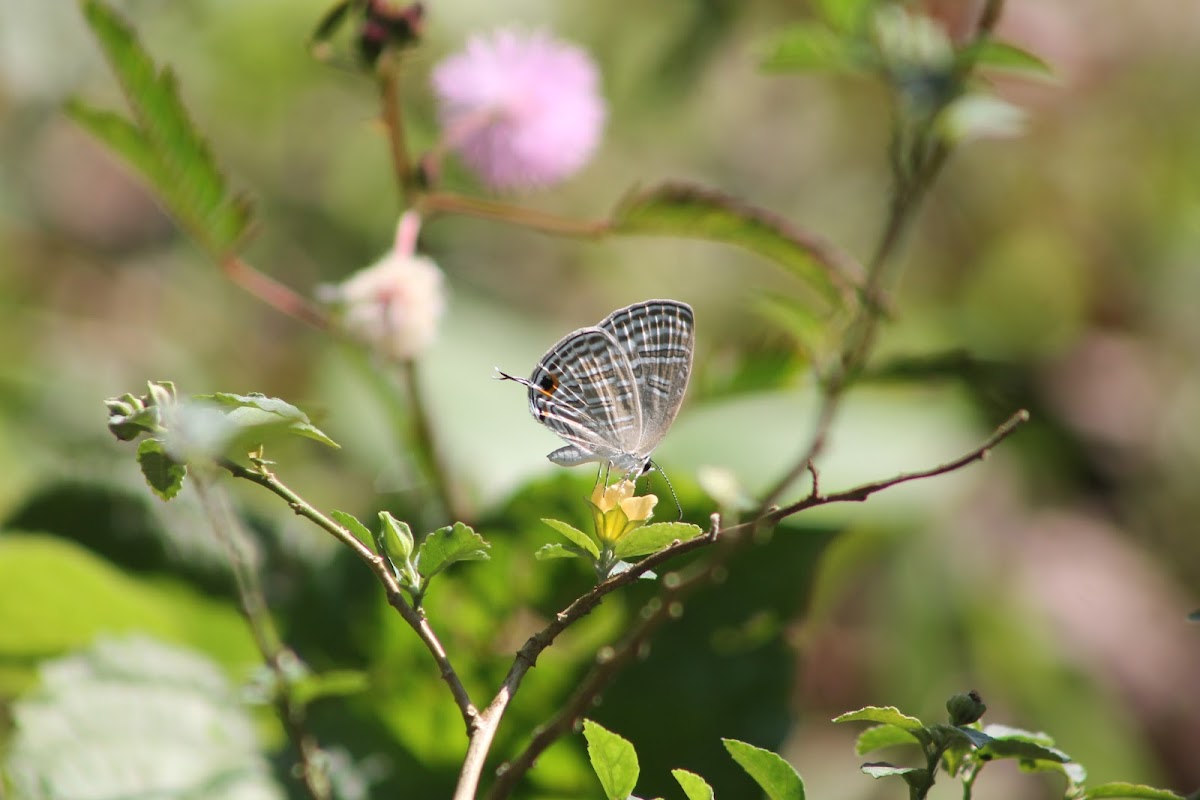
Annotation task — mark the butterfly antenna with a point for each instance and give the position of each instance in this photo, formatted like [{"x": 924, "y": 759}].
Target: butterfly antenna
[{"x": 674, "y": 496}]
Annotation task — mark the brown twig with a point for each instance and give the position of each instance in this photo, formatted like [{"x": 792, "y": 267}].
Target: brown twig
[
  {"x": 605, "y": 669},
  {"x": 395, "y": 596},
  {"x": 253, "y": 605},
  {"x": 451, "y": 203}
]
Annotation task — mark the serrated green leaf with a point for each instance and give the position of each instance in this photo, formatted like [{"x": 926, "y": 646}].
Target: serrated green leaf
[
  {"x": 182, "y": 171},
  {"x": 1120, "y": 789},
  {"x": 695, "y": 787},
  {"x": 550, "y": 551},
  {"x": 653, "y": 537},
  {"x": 885, "y": 770},
  {"x": 575, "y": 536},
  {"x": 352, "y": 524},
  {"x": 335, "y": 683},
  {"x": 808, "y": 46},
  {"x": 613, "y": 760},
  {"x": 681, "y": 209},
  {"x": 770, "y": 771},
  {"x": 164, "y": 474},
  {"x": 884, "y": 715},
  {"x": 995, "y": 54},
  {"x": 254, "y": 411},
  {"x": 997, "y": 731},
  {"x": 1016, "y": 748},
  {"x": 449, "y": 545},
  {"x": 119, "y": 134},
  {"x": 881, "y": 736}
]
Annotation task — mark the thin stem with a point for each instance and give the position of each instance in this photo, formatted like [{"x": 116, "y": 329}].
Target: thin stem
[
  {"x": 439, "y": 476},
  {"x": 603, "y": 672},
  {"x": 395, "y": 596},
  {"x": 392, "y": 116},
  {"x": 273, "y": 293},
  {"x": 253, "y": 606},
  {"x": 450, "y": 203}
]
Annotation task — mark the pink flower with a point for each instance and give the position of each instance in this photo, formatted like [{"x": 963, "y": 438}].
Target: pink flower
[
  {"x": 395, "y": 304},
  {"x": 521, "y": 109}
]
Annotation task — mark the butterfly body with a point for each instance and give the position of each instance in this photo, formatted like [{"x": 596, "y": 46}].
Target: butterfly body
[{"x": 611, "y": 390}]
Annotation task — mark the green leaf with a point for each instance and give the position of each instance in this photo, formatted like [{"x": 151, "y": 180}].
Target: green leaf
[
  {"x": 550, "y": 551},
  {"x": 881, "y": 736},
  {"x": 256, "y": 413},
  {"x": 885, "y": 770},
  {"x": 771, "y": 772},
  {"x": 808, "y": 46},
  {"x": 884, "y": 715},
  {"x": 654, "y": 537},
  {"x": 172, "y": 156},
  {"x": 335, "y": 683},
  {"x": 1026, "y": 751},
  {"x": 163, "y": 722},
  {"x": 351, "y": 523},
  {"x": 695, "y": 787},
  {"x": 449, "y": 545},
  {"x": 119, "y": 134},
  {"x": 42, "y": 620},
  {"x": 576, "y": 536},
  {"x": 682, "y": 209},
  {"x": 1120, "y": 789},
  {"x": 613, "y": 759},
  {"x": 164, "y": 474},
  {"x": 996, "y": 54}
]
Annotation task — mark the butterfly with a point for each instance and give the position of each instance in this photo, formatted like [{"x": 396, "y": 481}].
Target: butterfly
[{"x": 613, "y": 389}]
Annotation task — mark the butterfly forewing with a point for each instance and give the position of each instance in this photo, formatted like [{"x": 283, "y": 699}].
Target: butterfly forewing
[
  {"x": 658, "y": 338},
  {"x": 585, "y": 390}
]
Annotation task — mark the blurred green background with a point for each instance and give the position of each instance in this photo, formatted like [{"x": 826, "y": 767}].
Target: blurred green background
[{"x": 1058, "y": 271}]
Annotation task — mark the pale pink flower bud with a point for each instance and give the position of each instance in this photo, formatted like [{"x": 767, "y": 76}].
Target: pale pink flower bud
[
  {"x": 520, "y": 109},
  {"x": 395, "y": 304}
]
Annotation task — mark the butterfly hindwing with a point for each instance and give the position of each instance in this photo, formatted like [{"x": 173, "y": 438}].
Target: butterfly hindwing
[
  {"x": 585, "y": 390},
  {"x": 658, "y": 336}
]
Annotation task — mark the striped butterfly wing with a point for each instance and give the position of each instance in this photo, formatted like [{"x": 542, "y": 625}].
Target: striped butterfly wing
[
  {"x": 584, "y": 389},
  {"x": 658, "y": 336}
]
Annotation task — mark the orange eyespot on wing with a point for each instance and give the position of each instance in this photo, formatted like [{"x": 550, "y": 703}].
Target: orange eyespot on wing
[{"x": 548, "y": 385}]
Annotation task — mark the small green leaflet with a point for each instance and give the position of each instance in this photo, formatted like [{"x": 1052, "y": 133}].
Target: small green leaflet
[
  {"x": 575, "y": 536},
  {"x": 449, "y": 545},
  {"x": 695, "y": 787},
  {"x": 682, "y": 209},
  {"x": 613, "y": 759},
  {"x": 886, "y": 715},
  {"x": 775, "y": 775},
  {"x": 254, "y": 412},
  {"x": 653, "y": 537},
  {"x": 161, "y": 142},
  {"x": 881, "y": 736},
  {"x": 809, "y": 46},
  {"x": 548, "y": 552},
  {"x": 164, "y": 474}
]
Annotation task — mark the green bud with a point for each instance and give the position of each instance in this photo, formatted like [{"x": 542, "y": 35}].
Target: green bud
[{"x": 965, "y": 708}]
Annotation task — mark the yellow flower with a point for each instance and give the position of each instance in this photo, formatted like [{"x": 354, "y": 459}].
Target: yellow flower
[{"x": 616, "y": 511}]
